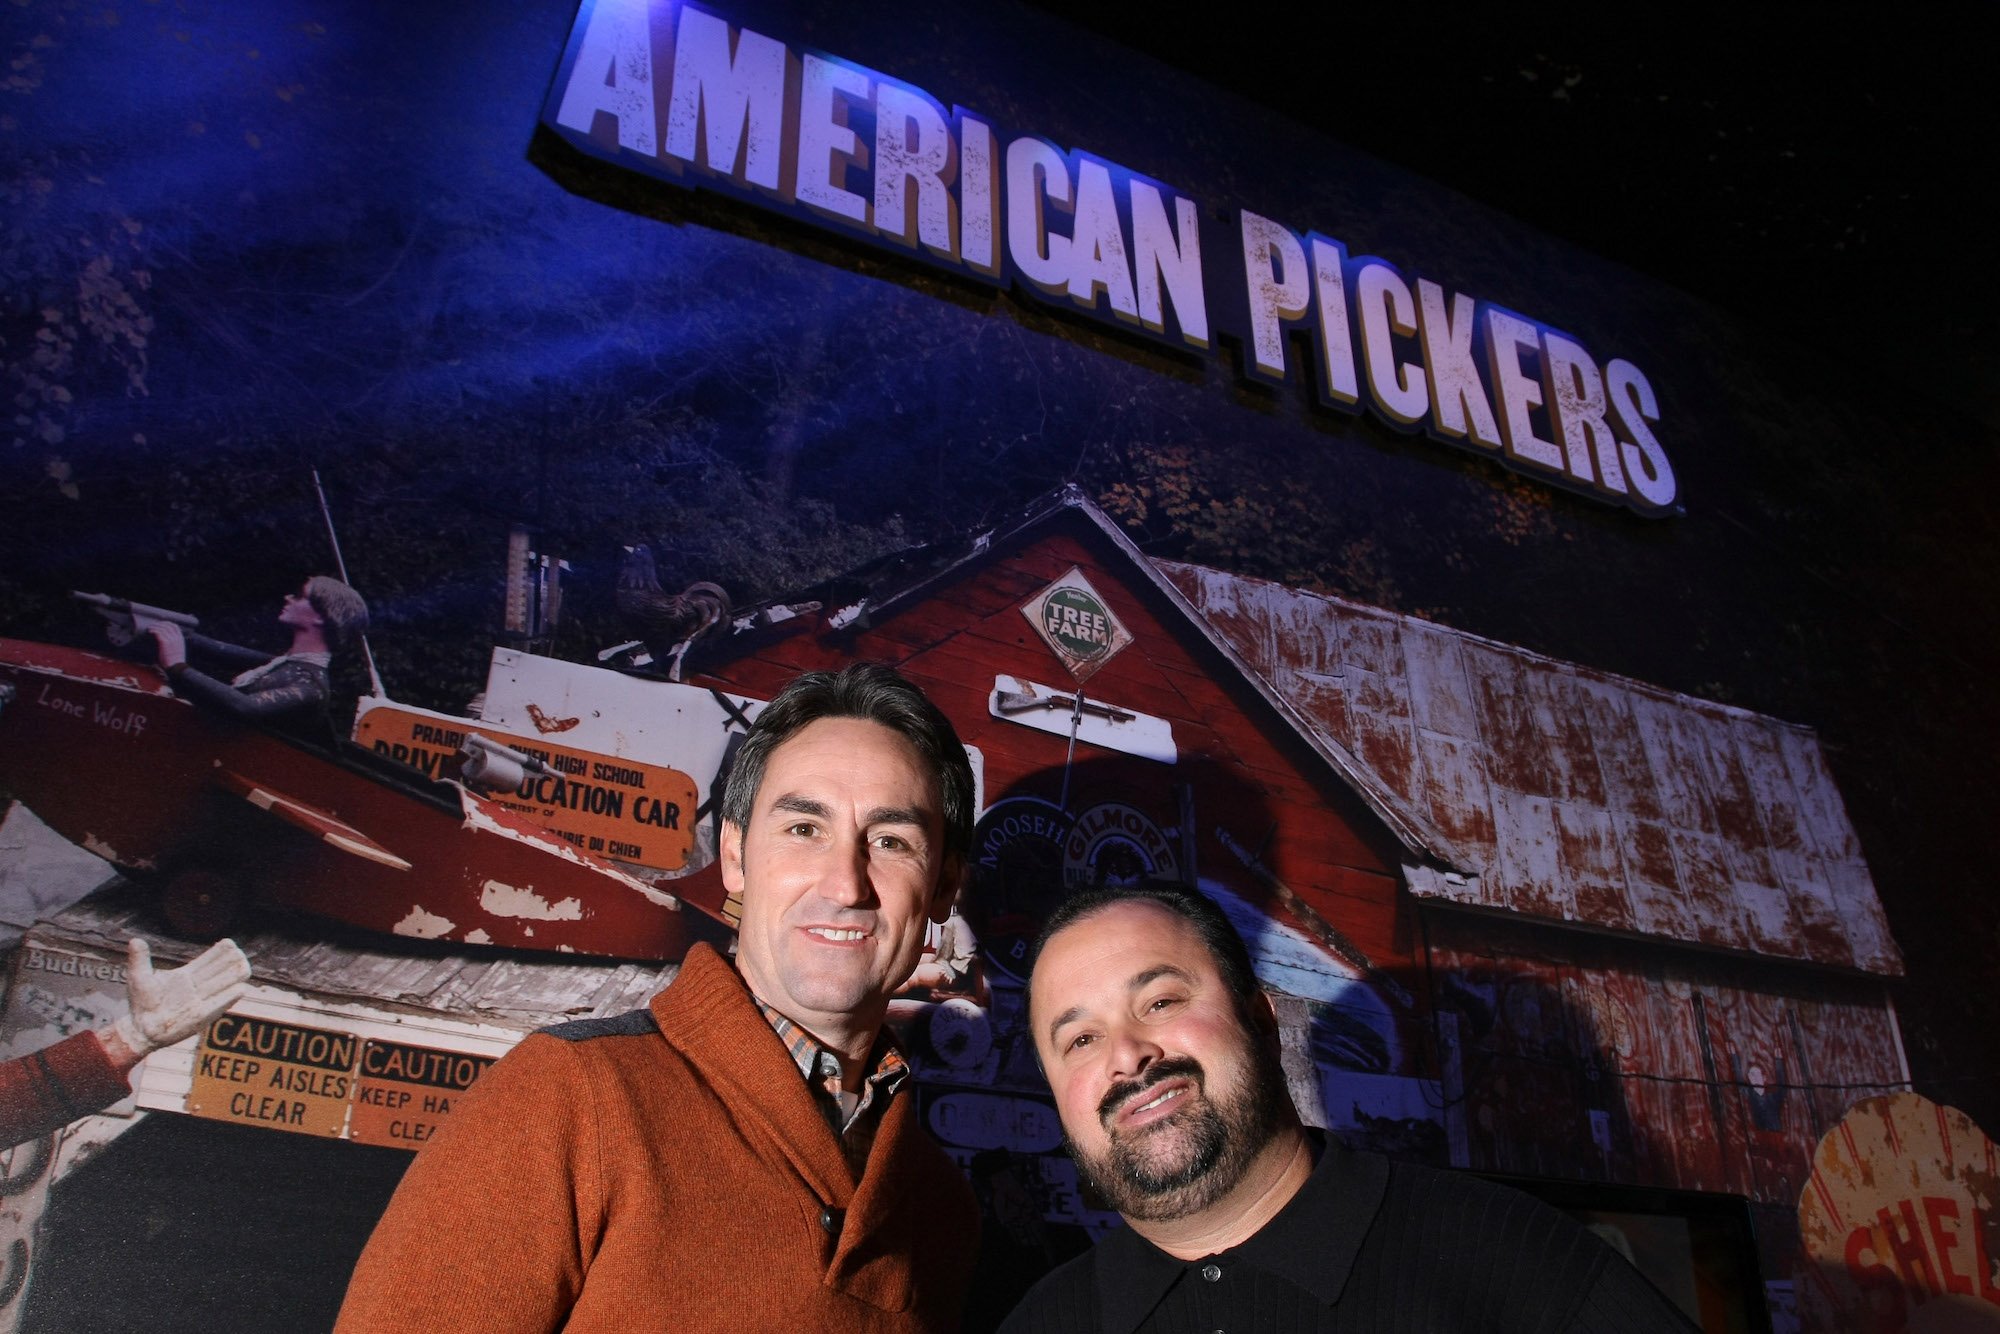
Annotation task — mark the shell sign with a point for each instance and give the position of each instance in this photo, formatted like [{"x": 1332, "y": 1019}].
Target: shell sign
[{"x": 1899, "y": 1225}]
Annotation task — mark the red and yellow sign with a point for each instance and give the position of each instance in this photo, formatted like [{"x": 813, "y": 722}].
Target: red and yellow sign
[
  {"x": 1899, "y": 1222},
  {"x": 620, "y": 809},
  {"x": 259, "y": 1072},
  {"x": 406, "y": 1092}
]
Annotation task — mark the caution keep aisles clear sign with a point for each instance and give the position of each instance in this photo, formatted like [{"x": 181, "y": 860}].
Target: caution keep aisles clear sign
[
  {"x": 284, "y": 1076},
  {"x": 259, "y": 1072}
]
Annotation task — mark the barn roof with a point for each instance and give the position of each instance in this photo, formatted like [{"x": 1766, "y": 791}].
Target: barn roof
[
  {"x": 1566, "y": 793},
  {"x": 1515, "y": 782}
]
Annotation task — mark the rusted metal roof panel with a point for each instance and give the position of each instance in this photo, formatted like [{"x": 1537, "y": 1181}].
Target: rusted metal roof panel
[{"x": 1563, "y": 793}]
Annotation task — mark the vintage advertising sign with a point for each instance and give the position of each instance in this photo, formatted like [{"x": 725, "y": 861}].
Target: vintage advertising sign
[
  {"x": 1900, "y": 1222},
  {"x": 57, "y": 993},
  {"x": 622, "y": 809},
  {"x": 1115, "y": 844},
  {"x": 1076, "y": 624},
  {"x": 259, "y": 1072},
  {"x": 683, "y": 95},
  {"x": 404, "y": 1093}
]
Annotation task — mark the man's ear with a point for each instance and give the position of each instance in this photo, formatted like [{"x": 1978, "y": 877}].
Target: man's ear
[
  {"x": 950, "y": 881},
  {"x": 1264, "y": 1015},
  {"x": 730, "y": 854}
]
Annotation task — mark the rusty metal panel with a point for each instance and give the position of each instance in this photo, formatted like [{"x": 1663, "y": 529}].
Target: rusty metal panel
[
  {"x": 1673, "y": 751},
  {"x": 1861, "y": 913},
  {"x": 1621, "y": 752},
  {"x": 1567, "y": 793},
  {"x": 1822, "y": 815},
  {"x": 1383, "y": 740},
  {"x": 1440, "y": 695},
  {"x": 1456, "y": 795},
  {"x": 1560, "y": 719},
  {"x": 1321, "y": 697},
  {"x": 1516, "y": 745},
  {"x": 515, "y": 992},
  {"x": 1658, "y": 906},
  {"x": 1369, "y": 639},
  {"x": 1708, "y": 890},
  {"x": 1587, "y": 845},
  {"x": 1529, "y": 866}
]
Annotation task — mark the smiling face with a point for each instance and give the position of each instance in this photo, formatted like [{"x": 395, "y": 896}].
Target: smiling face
[
  {"x": 839, "y": 865},
  {"x": 1166, "y": 1097}
]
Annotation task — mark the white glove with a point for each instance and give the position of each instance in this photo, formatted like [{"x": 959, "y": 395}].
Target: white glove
[{"x": 171, "y": 1005}]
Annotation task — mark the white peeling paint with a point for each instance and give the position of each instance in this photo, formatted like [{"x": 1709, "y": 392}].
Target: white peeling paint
[
  {"x": 478, "y": 819},
  {"x": 509, "y": 901},
  {"x": 478, "y": 936},
  {"x": 98, "y": 847},
  {"x": 423, "y": 925}
]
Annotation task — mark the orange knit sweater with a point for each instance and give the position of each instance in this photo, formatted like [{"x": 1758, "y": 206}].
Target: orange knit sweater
[{"x": 665, "y": 1170}]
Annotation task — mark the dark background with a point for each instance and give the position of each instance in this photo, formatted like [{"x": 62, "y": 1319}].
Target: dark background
[{"x": 1819, "y": 172}]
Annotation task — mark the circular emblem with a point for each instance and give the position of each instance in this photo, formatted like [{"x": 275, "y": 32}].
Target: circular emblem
[
  {"x": 1017, "y": 877},
  {"x": 1113, "y": 844},
  {"x": 957, "y": 1033},
  {"x": 1078, "y": 623}
]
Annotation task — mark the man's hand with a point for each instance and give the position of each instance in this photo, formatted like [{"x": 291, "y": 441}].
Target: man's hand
[
  {"x": 171, "y": 1005},
  {"x": 173, "y": 652}
]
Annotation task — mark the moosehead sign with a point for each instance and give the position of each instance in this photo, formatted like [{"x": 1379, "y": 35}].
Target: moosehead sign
[{"x": 683, "y": 95}]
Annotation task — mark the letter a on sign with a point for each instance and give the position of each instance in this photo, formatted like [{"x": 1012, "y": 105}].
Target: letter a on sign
[{"x": 1075, "y": 622}]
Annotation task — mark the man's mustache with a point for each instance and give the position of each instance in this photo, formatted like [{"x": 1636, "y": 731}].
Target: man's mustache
[{"x": 1171, "y": 1067}]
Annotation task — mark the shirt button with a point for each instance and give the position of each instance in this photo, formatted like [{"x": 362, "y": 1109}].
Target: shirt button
[{"x": 1211, "y": 1272}]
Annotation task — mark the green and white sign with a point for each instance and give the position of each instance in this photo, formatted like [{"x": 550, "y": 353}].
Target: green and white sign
[{"x": 1075, "y": 622}]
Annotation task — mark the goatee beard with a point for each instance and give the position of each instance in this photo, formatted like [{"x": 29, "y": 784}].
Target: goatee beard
[{"x": 1192, "y": 1157}]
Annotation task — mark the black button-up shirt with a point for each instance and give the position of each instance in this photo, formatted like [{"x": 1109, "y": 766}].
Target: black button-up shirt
[{"x": 1371, "y": 1245}]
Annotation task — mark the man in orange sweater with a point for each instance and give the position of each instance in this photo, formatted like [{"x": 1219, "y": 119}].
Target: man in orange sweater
[{"x": 743, "y": 1153}]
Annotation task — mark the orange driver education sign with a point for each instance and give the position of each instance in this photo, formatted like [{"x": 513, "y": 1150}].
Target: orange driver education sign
[{"x": 621, "y": 809}]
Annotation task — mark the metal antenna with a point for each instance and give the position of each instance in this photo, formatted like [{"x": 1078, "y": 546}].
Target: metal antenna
[{"x": 340, "y": 567}]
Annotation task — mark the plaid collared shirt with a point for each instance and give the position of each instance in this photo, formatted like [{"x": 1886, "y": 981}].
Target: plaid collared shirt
[{"x": 852, "y": 1115}]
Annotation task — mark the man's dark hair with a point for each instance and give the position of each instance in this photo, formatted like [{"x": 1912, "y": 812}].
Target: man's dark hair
[
  {"x": 1204, "y": 918},
  {"x": 876, "y": 694}
]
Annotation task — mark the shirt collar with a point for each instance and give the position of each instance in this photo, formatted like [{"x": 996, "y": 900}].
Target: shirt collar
[
  {"x": 1311, "y": 1243},
  {"x": 821, "y": 1065}
]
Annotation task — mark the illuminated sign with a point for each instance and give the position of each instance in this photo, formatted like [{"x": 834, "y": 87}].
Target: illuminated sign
[
  {"x": 683, "y": 95},
  {"x": 625, "y": 810}
]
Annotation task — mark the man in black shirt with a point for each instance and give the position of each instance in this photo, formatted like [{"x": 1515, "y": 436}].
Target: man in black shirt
[{"x": 1163, "y": 1057}]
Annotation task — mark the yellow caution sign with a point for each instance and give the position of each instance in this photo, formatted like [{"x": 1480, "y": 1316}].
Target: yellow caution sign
[
  {"x": 405, "y": 1092},
  {"x": 258, "y": 1072}
]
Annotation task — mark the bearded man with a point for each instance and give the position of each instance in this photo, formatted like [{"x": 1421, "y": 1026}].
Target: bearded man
[{"x": 1162, "y": 1054}]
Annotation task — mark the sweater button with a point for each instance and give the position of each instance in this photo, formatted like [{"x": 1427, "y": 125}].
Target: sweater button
[
  {"x": 829, "y": 1218},
  {"x": 1211, "y": 1272}
]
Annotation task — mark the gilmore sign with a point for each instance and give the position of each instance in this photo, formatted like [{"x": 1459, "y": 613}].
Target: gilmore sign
[{"x": 683, "y": 95}]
